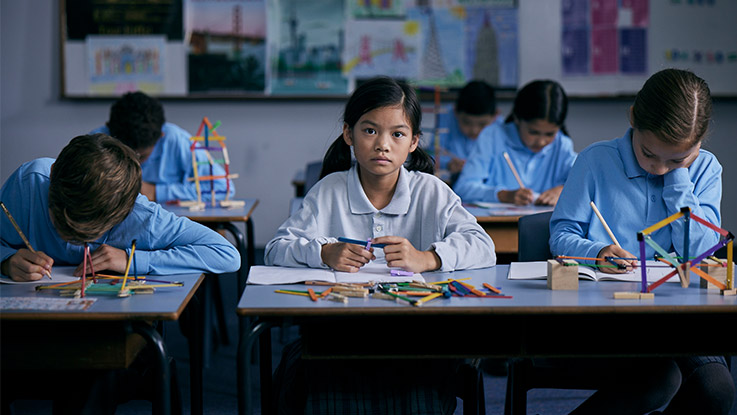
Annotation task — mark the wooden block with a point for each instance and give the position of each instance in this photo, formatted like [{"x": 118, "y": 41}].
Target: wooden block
[
  {"x": 647, "y": 296},
  {"x": 718, "y": 273},
  {"x": 684, "y": 274},
  {"x": 562, "y": 277},
  {"x": 232, "y": 203},
  {"x": 338, "y": 298},
  {"x": 382, "y": 296},
  {"x": 633, "y": 295},
  {"x": 728, "y": 293}
]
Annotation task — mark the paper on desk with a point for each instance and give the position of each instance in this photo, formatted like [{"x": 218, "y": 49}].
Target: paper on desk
[
  {"x": 376, "y": 271},
  {"x": 59, "y": 274},
  {"x": 535, "y": 270},
  {"x": 45, "y": 303},
  {"x": 510, "y": 209}
]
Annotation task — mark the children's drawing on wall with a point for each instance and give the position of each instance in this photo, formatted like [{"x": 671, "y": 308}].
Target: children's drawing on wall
[
  {"x": 227, "y": 45},
  {"x": 119, "y": 64},
  {"x": 492, "y": 45},
  {"x": 381, "y": 47},
  {"x": 304, "y": 47},
  {"x": 376, "y": 8},
  {"x": 441, "y": 31}
]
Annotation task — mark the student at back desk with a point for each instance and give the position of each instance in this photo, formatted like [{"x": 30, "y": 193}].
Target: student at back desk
[
  {"x": 651, "y": 172},
  {"x": 89, "y": 194},
  {"x": 163, "y": 149}
]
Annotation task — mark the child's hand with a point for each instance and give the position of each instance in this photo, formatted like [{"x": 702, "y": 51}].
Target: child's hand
[
  {"x": 550, "y": 196},
  {"x": 520, "y": 197},
  {"x": 25, "y": 265},
  {"x": 455, "y": 165},
  {"x": 148, "y": 190},
  {"x": 615, "y": 251},
  {"x": 106, "y": 258},
  {"x": 400, "y": 253},
  {"x": 346, "y": 257}
]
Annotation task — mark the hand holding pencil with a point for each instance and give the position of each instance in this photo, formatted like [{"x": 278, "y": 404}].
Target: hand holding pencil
[{"x": 26, "y": 264}]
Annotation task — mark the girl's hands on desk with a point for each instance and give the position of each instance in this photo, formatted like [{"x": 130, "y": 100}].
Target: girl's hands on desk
[
  {"x": 521, "y": 197},
  {"x": 106, "y": 258},
  {"x": 550, "y": 196},
  {"x": 25, "y": 265},
  {"x": 346, "y": 257},
  {"x": 400, "y": 253},
  {"x": 615, "y": 251}
]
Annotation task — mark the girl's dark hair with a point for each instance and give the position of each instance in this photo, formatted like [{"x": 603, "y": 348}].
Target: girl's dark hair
[
  {"x": 541, "y": 100},
  {"x": 675, "y": 105},
  {"x": 136, "y": 120},
  {"x": 476, "y": 98},
  {"x": 376, "y": 93}
]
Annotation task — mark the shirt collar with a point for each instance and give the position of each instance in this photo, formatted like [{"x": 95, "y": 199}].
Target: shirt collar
[
  {"x": 360, "y": 204},
  {"x": 627, "y": 154}
]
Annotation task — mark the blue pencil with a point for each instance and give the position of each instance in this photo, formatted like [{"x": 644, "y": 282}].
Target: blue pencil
[{"x": 359, "y": 242}]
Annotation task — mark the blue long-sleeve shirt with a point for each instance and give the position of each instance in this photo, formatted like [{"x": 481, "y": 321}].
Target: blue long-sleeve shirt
[
  {"x": 169, "y": 167},
  {"x": 452, "y": 138},
  {"x": 486, "y": 172},
  {"x": 165, "y": 243},
  {"x": 630, "y": 200}
]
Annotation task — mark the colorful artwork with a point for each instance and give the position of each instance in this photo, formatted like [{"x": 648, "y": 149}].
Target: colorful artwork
[
  {"x": 382, "y": 47},
  {"x": 492, "y": 45},
  {"x": 441, "y": 31},
  {"x": 119, "y": 64},
  {"x": 227, "y": 45},
  {"x": 375, "y": 8}
]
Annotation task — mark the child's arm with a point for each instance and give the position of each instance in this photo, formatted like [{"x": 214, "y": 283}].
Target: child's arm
[
  {"x": 400, "y": 253},
  {"x": 25, "y": 265},
  {"x": 472, "y": 183},
  {"x": 700, "y": 188}
]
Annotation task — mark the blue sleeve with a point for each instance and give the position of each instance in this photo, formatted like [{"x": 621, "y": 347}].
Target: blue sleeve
[
  {"x": 472, "y": 182},
  {"x": 168, "y": 244},
  {"x": 11, "y": 196},
  {"x": 569, "y": 225},
  {"x": 703, "y": 194},
  {"x": 567, "y": 158}
]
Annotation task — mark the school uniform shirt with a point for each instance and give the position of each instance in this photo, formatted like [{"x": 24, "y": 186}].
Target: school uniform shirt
[
  {"x": 165, "y": 243},
  {"x": 630, "y": 200},
  {"x": 486, "y": 172},
  {"x": 452, "y": 139},
  {"x": 424, "y": 210},
  {"x": 169, "y": 167}
]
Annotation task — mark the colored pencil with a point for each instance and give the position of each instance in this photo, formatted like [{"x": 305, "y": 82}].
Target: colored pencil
[
  {"x": 359, "y": 242},
  {"x": 311, "y": 292},
  {"x": 21, "y": 234},
  {"x": 492, "y": 288},
  {"x": 427, "y": 298}
]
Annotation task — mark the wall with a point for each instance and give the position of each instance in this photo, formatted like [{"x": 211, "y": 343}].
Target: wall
[{"x": 268, "y": 140}]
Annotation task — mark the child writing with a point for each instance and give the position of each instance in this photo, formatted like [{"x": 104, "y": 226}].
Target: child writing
[
  {"x": 474, "y": 110},
  {"x": 89, "y": 194},
  {"x": 535, "y": 139},
  {"x": 387, "y": 196},
  {"x": 163, "y": 149},
  {"x": 651, "y": 172}
]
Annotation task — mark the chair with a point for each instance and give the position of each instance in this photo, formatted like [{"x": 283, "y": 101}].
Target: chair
[
  {"x": 523, "y": 374},
  {"x": 533, "y": 234},
  {"x": 312, "y": 174}
]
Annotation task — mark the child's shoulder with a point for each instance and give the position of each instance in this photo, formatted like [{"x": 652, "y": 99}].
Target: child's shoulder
[
  {"x": 40, "y": 166},
  {"x": 428, "y": 184},
  {"x": 173, "y": 131}
]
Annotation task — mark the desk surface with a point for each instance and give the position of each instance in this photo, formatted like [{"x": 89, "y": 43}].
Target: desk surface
[
  {"x": 165, "y": 304},
  {"x": 530, "y": 297},
  {"x": 216, "y": 214}
]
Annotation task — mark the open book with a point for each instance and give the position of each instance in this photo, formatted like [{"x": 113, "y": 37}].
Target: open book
[
  {"x": 376, "y": 271},
  {"x": 537, "y": 270}
]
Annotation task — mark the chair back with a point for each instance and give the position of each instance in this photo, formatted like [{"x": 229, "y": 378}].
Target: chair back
[
  {"x": 312, "y": 174},
  {"x": 533, "y": 234}
]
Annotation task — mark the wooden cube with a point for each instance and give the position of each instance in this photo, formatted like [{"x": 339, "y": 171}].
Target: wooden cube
[
  {"x": 718, "y": 273},
  {"x": 562, "y": 276}
]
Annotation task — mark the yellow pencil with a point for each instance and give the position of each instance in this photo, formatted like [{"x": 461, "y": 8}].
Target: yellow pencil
[
  {"x": 514, "y": 171},
  {"x": 128, "y": 265},
  {"x": 603, "y": 222},
  {"x": 427, "y": 298},
  {"x": 20, "y": 233}
]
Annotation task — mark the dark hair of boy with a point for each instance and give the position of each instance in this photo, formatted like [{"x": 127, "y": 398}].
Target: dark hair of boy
[
  {"x": 136, "y": 120},
  {"x": 379, "y": 92},
  {"x": 476, "y": 98},
  {"x": 674, "y": 104},
  {"x": 541, "y": 100},
  {"x": 93, "y": 187}
]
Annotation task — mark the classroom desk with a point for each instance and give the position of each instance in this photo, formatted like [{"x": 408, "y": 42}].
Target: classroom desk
[
  {"x": 536, "y": 322},
  {"x": 100, "y": 337},
  {"x": 501, "y": 224}
]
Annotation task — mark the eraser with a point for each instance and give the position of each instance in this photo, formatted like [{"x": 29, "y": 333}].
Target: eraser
[{"x": 401, "y": 273}]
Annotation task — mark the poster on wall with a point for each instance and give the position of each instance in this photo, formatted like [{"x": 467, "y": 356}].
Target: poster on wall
[
  {"x": 492, "y": 45},
  {"x": 305, "y": 40},
  {"x": 120, "y": 64},
  {"x": 226, "y": 46},
  {"x": 381, "y": 47}
]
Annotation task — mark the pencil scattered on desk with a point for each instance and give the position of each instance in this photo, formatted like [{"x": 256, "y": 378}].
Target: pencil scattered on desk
[{"x": 21, "y": 234}]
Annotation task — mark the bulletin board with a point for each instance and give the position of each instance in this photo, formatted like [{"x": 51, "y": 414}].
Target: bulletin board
[{"x": 323, "y": 48}]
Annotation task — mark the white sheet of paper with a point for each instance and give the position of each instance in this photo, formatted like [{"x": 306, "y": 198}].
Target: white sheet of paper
[
  {"x": 376, "y": 271},
  {"x": 267, "y": 275},
  {"x": 58, "y": 274}
]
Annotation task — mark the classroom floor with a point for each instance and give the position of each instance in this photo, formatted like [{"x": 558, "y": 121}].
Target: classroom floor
[{"x": 220, "y": 395}]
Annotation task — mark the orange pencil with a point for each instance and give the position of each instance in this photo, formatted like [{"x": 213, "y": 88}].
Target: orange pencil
[
  {"x": 492, "y": 288},
  {"x": 473, "y": 289},
  {"x": 311, "y": 292},
  {"x": 326, "y": 292}
]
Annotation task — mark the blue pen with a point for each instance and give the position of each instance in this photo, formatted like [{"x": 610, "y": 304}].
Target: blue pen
[{"x": 359, "y": 242}]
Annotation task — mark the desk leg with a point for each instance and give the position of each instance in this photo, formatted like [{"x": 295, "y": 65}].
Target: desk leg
[
  {"x": 193, "y": 322},
  {"x": 162, "y": 404},
  {"x": 262, "y": 331}
]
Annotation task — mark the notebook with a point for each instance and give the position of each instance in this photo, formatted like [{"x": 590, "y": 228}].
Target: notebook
[
  {"x": 537, "y": 270},
  {"x": 374, "y": 271}
]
